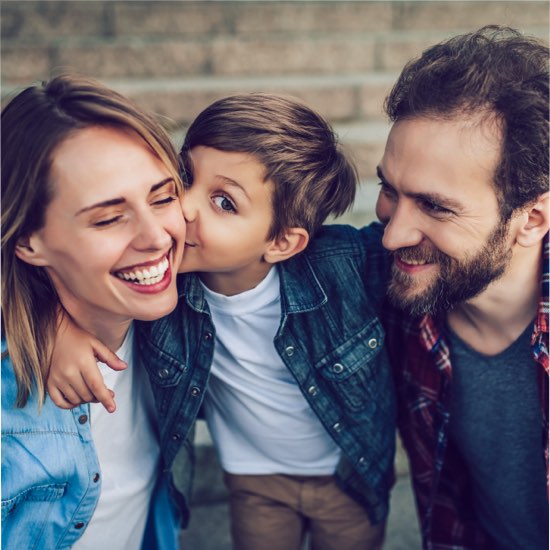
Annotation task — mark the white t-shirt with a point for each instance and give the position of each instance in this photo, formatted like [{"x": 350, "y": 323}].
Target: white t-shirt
[
  {"x": 127, "y": 447},
  {"x": 259, "y": 420}
]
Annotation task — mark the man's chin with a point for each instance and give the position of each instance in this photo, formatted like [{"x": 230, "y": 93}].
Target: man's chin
[{"x": 415, "y": 303}]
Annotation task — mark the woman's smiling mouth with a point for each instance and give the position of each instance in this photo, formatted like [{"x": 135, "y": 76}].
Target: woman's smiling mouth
[{"x": 147, "y": 276}]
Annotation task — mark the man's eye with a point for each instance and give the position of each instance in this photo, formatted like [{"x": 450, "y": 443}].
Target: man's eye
[
  {"x": 386, "y": 190},
  {"x": 433, "y": 208},
  {"x": 223, "y": 203}
]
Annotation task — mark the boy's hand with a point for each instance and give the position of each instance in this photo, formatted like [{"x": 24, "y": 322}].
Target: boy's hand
[{"x": 74, "y": 376}]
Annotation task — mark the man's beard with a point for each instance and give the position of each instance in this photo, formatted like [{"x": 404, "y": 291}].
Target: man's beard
[{"x": 457, "y": 280}]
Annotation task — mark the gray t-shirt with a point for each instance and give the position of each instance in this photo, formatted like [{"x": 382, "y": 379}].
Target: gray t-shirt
[{"x": 496, "y": 424}]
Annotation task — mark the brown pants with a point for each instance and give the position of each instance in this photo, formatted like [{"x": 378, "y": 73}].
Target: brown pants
[{"x": 273, "y": 512}]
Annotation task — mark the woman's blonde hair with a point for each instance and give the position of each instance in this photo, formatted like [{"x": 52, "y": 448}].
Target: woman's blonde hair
[{"x": 34, "y": 124}]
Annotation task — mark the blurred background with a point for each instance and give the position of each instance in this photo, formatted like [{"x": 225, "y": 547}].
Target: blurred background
[{"x": 176, "y": 57}]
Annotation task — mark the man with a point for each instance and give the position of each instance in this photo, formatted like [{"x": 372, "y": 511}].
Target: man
[{"x": 464, "y": 196}]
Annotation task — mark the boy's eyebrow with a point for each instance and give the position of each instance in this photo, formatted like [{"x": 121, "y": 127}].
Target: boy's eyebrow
[
  {"x": 233, "y": 183},
  {"x": 435, "y": 198},
  {"x": 120, "y": 200}
]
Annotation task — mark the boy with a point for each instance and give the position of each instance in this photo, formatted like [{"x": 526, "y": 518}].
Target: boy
[{"x": 279, "y": 317}]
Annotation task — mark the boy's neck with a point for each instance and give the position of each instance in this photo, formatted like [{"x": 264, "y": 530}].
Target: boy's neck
[{"x": 230, "y": 284}]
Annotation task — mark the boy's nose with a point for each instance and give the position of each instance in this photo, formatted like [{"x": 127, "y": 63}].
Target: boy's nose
[{"x": 188, "y": 206}]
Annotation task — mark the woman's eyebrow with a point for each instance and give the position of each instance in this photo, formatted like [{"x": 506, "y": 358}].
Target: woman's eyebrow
[{"x": 120, "y": 200}]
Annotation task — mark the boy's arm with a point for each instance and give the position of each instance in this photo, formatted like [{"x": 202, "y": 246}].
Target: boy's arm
[{"x": 74, "y": 376}]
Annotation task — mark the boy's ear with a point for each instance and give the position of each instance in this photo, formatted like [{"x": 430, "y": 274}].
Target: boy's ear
[
  {"x": 535, "y": 222},
  {"x": 29, "y": 250},
  {"x": 291, "y": 243}
]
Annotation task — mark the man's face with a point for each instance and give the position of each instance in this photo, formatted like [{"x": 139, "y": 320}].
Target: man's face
[{"x": 441, "y": 212}]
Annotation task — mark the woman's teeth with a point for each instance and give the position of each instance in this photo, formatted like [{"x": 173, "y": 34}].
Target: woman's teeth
[{"x": 147, "y": 276}]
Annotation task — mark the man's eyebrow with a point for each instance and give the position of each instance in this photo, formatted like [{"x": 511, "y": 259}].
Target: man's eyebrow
[
  {"x": 435, "y": 198},
  {"x": 121, "y": 200}
]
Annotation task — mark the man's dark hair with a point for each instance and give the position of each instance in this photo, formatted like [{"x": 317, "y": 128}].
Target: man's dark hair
[{"x": 493, "y": 72}]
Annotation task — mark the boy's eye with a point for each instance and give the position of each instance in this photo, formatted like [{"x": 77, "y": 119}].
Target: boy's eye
[{"x": 223, "y": 203}]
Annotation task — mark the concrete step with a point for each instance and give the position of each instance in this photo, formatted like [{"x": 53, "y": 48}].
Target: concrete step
[
  {"x": 219, "y": 55},
  {"x": 339, "y": 98},
  {"x": 51, "y": 21}
]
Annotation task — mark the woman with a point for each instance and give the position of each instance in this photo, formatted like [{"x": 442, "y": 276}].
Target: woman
[{"x": 90, "y": 220}]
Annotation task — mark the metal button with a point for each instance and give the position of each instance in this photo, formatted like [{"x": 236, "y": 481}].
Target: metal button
[
  {"x": 362, "y": 460},
  {"x": 164, "y": 373},
  {"x": 208, "y": 336},
  {"x": 176, "y": 437},
  {"x": 337, "y": 427},
  {"x": 372, "y": 343},
  {"x": 78, "y": 525},
  {"x": 338, "y": 368},
  {"x": 289, "y": 350},
  {"x": 96, "y": 478},
  {"x": 195, "y": 391},
  {"x": 312, "y": 390},
  {"x": 83, "y": 418}
]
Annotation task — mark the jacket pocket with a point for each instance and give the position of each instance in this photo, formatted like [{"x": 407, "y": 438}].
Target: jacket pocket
[
  {"x": 164, "y": 371},
  {"x": 39, "y": 493},
  {"x": 358, "y": 370}
]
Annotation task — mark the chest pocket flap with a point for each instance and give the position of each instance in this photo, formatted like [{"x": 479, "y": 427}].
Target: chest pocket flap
[{"x": 355, "y": 368}]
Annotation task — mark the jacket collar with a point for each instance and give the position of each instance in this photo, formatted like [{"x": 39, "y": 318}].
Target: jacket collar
[{"x": 300, "y": 288}]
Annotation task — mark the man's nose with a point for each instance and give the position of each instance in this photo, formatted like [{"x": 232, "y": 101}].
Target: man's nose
[{"x": 402, "y": 228}]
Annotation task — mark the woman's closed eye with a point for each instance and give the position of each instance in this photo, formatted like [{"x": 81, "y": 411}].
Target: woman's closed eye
[{"x": 107, "y": 221}]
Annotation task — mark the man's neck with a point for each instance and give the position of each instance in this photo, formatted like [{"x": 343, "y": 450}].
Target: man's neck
[{"x": 492, "y": 321}]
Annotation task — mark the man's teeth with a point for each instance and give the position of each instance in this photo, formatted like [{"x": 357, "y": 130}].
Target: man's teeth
[
  {"x": 147, "y": 276},
  {"x": 415, "y": 262}
]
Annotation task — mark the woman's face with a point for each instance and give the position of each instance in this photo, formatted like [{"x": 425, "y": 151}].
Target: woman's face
[{"x": 114, "y": 229}]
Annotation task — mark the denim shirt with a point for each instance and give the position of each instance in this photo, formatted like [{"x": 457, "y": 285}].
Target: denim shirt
[
  {"x": 330, "y": 338},
  {"x": 51, "y": 478}
]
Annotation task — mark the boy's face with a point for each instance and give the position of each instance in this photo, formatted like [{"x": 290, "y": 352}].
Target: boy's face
[{"x": 228, "y": 208}]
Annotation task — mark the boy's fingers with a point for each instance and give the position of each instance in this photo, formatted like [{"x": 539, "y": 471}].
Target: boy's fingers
[
  {"x": 105, "y": 355},
  {"x": 102, "y": 394},
  {"x": 60, "y": 399}
]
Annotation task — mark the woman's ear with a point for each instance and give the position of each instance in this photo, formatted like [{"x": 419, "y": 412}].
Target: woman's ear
[
  {"x": 291, "y": 243},
  {"x": 29, "y": 250},
  {"x": 536, "y": 222}
]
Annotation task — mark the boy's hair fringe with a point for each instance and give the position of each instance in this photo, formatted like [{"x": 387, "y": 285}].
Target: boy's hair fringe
[{"x": 312, "y": 176}]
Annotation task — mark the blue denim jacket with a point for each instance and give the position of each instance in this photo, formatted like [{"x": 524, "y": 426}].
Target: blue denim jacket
[
  {"x": 331, "y": 339},
  {"x": 51, "y": 478}
]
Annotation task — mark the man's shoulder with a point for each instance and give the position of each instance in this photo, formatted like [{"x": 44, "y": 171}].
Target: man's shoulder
[{"x": 342, "y": 240}]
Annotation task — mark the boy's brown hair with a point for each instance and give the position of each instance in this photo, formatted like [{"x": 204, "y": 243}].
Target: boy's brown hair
[{"x": 312, "y": 177}]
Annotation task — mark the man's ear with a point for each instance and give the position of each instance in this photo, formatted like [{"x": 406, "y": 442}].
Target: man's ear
[
  {"x": 29, "y": 250},
  {"x": 535, "y": 222},
  {"x": 291, "y": 243}
]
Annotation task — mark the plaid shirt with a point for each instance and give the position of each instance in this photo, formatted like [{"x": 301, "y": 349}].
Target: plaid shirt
[{"x": 423, "y": 373}]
